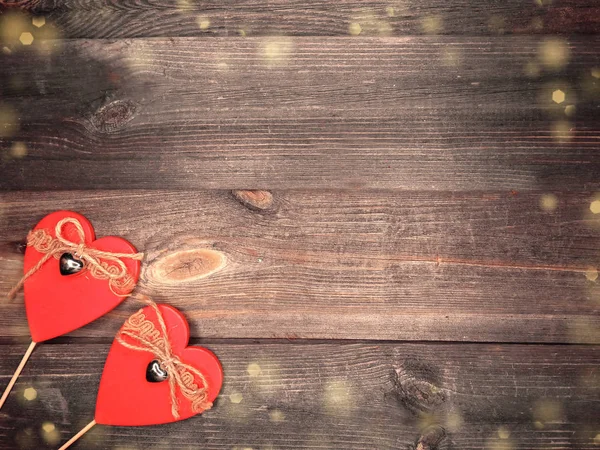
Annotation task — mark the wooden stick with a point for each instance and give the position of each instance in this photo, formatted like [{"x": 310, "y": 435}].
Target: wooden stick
[
  {"x": 78, "y": 435},
  {"x": 12, "y": 381}
]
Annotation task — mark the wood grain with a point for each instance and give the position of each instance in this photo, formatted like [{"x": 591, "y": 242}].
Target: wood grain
[
  {"x": 343, "y": 264},
  {"x": 420, "y": 113},
  {"x": 135, "y": 18},
  {"x": 332, "y": 395}
]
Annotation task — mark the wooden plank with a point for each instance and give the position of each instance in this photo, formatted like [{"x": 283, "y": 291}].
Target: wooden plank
[
  {"x": 343, "y": 264},
  {"x": 128, "y": 19},
  {"x": 358, "y": 396},
  {"x": 421, "y": 113}
]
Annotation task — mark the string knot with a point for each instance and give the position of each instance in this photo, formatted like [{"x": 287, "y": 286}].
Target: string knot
[
  {"x": 181, "y": 376},
  {"x": 101, "y": 264}
]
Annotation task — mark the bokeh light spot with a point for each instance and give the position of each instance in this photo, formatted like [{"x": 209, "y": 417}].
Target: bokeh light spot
[
  {"x": 433, "y": 24},
  {"x": 184, "y": 5},
  {"x": 595, "y": 207},
  {"x": 26, "y": 38},
  {"x": 570, "y": 110},
  {"x": 50, "y": 434},
  {"x": 354, "y": 29},
  {"x": 254, "y": 370},
  {"x": 277, "y": 51},
  {"x": 591, "y": 274},
  {"x": 562, "y": 131},
  {"x": 554, "y": 53},
  {"x": 30, "y": 394},
  {"x": 503, "y": 433},
  {"x": 277, "y": 416},
  {"x": 596, "y": 72},
  {"x": 337, "y": 395},
  {"x": 390, "y": 11},
  {"x": 548, "y": 202},
  {"x": 236, "y": 398},
  {"x": 558, "y": 96},
  {"x": 38, "y": 22},
  {"x": 203, "y": 22},
  {"x": 546, "y": 411},
  {"x": 18, "y": 150}
]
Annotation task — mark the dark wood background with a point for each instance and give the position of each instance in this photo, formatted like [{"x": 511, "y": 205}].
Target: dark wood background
[{"x": 384, "y": 217}]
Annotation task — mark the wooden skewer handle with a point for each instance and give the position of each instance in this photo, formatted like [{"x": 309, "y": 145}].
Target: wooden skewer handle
[
  {"x": 12, "y": 381},
  {"x": 84, "y": 430}
]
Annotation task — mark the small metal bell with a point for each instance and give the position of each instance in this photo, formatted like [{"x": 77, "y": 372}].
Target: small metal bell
[
  {"x": 155, "y": 373},
  {"x": 69, "y": 265}
]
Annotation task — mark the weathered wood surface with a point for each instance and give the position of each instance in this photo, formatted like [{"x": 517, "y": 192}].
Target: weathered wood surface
[
  {"x": 125, "y": 19},
  {"x": 356, "y": 396},
  {"x": 343, "y": 264},
  {"x": 413, "y": 113}
]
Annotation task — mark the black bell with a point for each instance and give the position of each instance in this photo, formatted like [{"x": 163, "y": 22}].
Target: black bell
[
  {"x": 69, "y": 265},
  {"x": 155, "y": 373}
]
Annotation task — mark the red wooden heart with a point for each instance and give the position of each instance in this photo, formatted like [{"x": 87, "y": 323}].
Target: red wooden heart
[
  {"x": 58, "y": 304},
  {"x": 125, "y": 398}
]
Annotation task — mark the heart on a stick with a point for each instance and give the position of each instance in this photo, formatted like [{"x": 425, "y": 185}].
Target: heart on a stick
[
  {"x": 151, "y": 376},
  {"x": 58, "y": 303}
]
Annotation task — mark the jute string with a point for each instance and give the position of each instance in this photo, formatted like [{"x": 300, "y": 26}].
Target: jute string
[
  {"x": 101, "y": 264},
  {"x": 181, "y": 376}
]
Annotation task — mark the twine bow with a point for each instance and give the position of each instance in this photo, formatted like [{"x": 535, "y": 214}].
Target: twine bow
[
  {"x": 180, "y": 374},
  {"x": 101, "y": 264}
]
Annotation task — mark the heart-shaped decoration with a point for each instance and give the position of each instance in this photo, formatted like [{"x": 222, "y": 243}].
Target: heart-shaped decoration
[
  {"x": 127, "y": 398},
  {"x": 57, "y": 304}
]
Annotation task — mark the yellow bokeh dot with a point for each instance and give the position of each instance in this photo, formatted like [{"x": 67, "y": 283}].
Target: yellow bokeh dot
[
  {"x": 433, "y": 24},
  {"x": 547, "y": 410},
  {"x": 597, "y": 439},
  {"x": 30, "y": 394},
  {"x": 591, "y": 274},
  {"x": 26, "y": 38},
  {"x": 596, "y": 72},
  {"x": 203, "y": 22},
  {"x": 184, "y": 5},
  {"x": 595, "y": 207},
  {"x": 503, "y": 433},
  {"x": 38, "y": 21},
  {"x": 562, "y": 131},
  {"x": 354, "y": 29},
  {"x": 48, "y": 427},
  {"x": 277, "y": 416},
  {"x": 454, "y": 421},
  {"x": 554, "y": 53},
  {"x": 254, "y": 370},
  {"x": 277, "y": 51},
  {"x": 570, "y": 110},
  {"x": 558, "y": 96},
  {"x": 18, "y": 150},
  {"x": 391, "y": 12},
  {"x": 548, "y": 202},
  {"x": 236, "y": 398}
]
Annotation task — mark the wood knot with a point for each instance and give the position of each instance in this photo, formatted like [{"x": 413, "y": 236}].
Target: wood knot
[
  {"x": 187, "y": 265},
  {"x": 432, "y": 438},
  {"x": 418, "y": 386},
  {"x": 256, "y": 200},
  {"x": 112, "y": 116}
]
